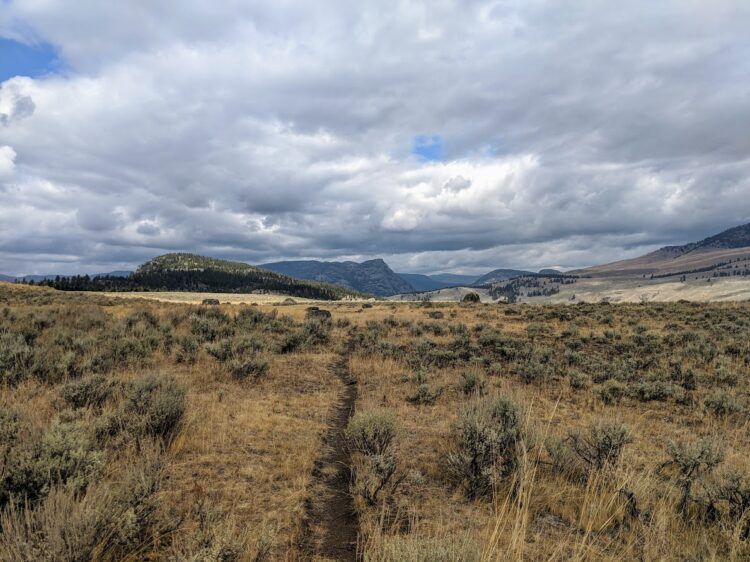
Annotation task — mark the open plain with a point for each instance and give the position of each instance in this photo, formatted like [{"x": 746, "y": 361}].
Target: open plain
[{"x": 137, "y": 429}]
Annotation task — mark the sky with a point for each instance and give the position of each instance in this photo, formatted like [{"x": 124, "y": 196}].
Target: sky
[{"x": 446, "y": 135}]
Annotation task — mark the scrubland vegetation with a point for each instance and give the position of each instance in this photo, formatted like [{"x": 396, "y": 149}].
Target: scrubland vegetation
[{"x": 134, "y": 430}]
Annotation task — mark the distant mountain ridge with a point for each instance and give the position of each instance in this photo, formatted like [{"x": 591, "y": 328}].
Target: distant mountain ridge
[
  {"x": 736, "y": 237},
  {"x": 420, "y": 282},
  {"x": 728, "y": 249},
  {"x": 498, "y": 275},
  {"x": 38, "y": 278},
  {"x": 371, "y": 276},
  {"x": 191, "y": 272}
]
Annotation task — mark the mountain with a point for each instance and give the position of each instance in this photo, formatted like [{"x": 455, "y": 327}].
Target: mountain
[
  {"x": 372, "y": 276},
  {"x": 550, "y": 271},
  {"x": 40, "y": 278},
  {"x": 729, "y": 250},
  {"x": 190, "y": 272},
  {"x": 453, "y": 279},
  {"x": 501, "y": 275},
  {"x": 423, "y": 282},
  {"x": 117, "y": 273}
]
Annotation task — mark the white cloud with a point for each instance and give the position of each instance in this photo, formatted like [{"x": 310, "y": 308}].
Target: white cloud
[
  {"x": 572, "y": 133},
  {"x": 7, "y": 161}
]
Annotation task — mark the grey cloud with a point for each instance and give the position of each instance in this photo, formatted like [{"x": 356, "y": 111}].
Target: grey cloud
[{"x": 573, "y": 132}]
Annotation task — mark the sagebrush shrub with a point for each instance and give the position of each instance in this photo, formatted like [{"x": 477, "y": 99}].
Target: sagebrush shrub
[
  {"x": 92, "y": 390},
  {"x": 248, "y": 367},
  {"x": 187, "y": 350},
  {"x": 473, "y": 383},
  {"x": 153, "y": 406},
  {"x": 372, "y": 432},
  {"x": 65, "y": 454},
  {"x": 425, "y": 394},
  {"x": 601, "y": 444},
  {"x": 370, "y": 437},
  {"x": 221, "y": 350},
  {"x": 723, "y": 403},
  {"x": 486, "y": 444},
  {"x": 611, "y": 391},
  {"x": 691, "y": 460},
  {"x": 316, "y": 331},
  {"x": 15, "y": 358},
  {"x": 579, "y": 381}
]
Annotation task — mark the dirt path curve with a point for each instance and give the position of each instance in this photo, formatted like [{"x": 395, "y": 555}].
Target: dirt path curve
[{"x": 332, "y": 526}]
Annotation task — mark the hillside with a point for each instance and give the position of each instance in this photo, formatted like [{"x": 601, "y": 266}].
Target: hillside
[
  {"x": 421, "y": 282},
  {"x": 498, "y": 275},
  {"x": 190, "y": 272},
  {"x": 724, "y": 254},
  {"x": 453, "y": 279},
  {"x": 372, "y": 276}
]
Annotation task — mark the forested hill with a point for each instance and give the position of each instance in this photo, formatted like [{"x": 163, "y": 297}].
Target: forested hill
[{"x": 190, "y": 272}]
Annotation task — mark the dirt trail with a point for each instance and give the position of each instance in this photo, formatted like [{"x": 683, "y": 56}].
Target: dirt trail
[{"x": 332, "y": 526}]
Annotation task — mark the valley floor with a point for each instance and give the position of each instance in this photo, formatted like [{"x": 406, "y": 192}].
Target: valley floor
[
  {"x": 147, "y": 430},
  {"x": 629, "y": 289}
]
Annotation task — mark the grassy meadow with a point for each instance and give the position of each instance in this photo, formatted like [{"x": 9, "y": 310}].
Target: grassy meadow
[{"x": 144, "y": 430}]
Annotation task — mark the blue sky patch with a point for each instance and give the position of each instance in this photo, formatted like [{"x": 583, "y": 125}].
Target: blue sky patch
[
  {"x": 428, "y": 147},
  {"x": 18, "y": 59}
]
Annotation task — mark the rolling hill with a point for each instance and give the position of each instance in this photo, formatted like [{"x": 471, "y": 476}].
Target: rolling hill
[
  {"x": 726, "y": 254},
  {"x": 190, "y": 272},
  {"x": 372, "y": 276},
  {"x": 498, "y": 275},
  {"x": 421, "y": 282},
  {"x": 453, "y": 279}
]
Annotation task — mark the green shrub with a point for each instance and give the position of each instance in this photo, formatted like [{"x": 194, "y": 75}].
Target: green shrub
[
  {"x": 425, "y": 394},
  {"x": 472, "y": 383},
  {"x": 723, "y": 403},
  {"x": 107, "y": 522},
  {"x": 316, "y": 331},
  {"x": 93, "y": 390},
  {"x": 291, "y": 342},
  {"x": 657, "y": 390},
  {"x": 9, "y": 428},
  {"x": 372, "y": 432},
  {"x": 732, "y": 488},
  {"x": 534, "y": 371},
  {"x": 248, "y": 367},
  {"x": 690, "y": 461},
  {"x": 726, "y": 376},
  {"x": 601, "y": 444},
  {"x": 370, "y": 436},
  {"x": 187, "y": 350},
  {"x": 471, "y": 298},
  {"x": 65, "y": 454},
  {"x": 153, "y": 406},
  {"x": 15, "y": 358},
  {"x": 611, "y": 391},
  {"x": 563, "y": 460},
  {"x": 221, "y": 350},
  {"x": 211, "y": 325},
  {"x": 486, "y": 444},
  {"x": 579, "y": 381}
]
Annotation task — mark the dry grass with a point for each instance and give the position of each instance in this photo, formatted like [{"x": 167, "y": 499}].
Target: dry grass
[{"x": 234, "y": 480}]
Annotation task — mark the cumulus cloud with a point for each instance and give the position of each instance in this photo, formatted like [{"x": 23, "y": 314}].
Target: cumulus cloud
[
  {"x": 567, "y": 133},
  {"x": 7, "y": 161}
]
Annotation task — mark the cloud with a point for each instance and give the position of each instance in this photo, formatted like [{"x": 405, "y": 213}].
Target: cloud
[
  {"x": 7, "y": 161},
  {"x": 569, "y": 133},
  {"x": 14, "y": 105}
]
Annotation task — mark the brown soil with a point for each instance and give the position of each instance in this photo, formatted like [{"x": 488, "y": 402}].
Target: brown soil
[{"x": 332, "y": 526}]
